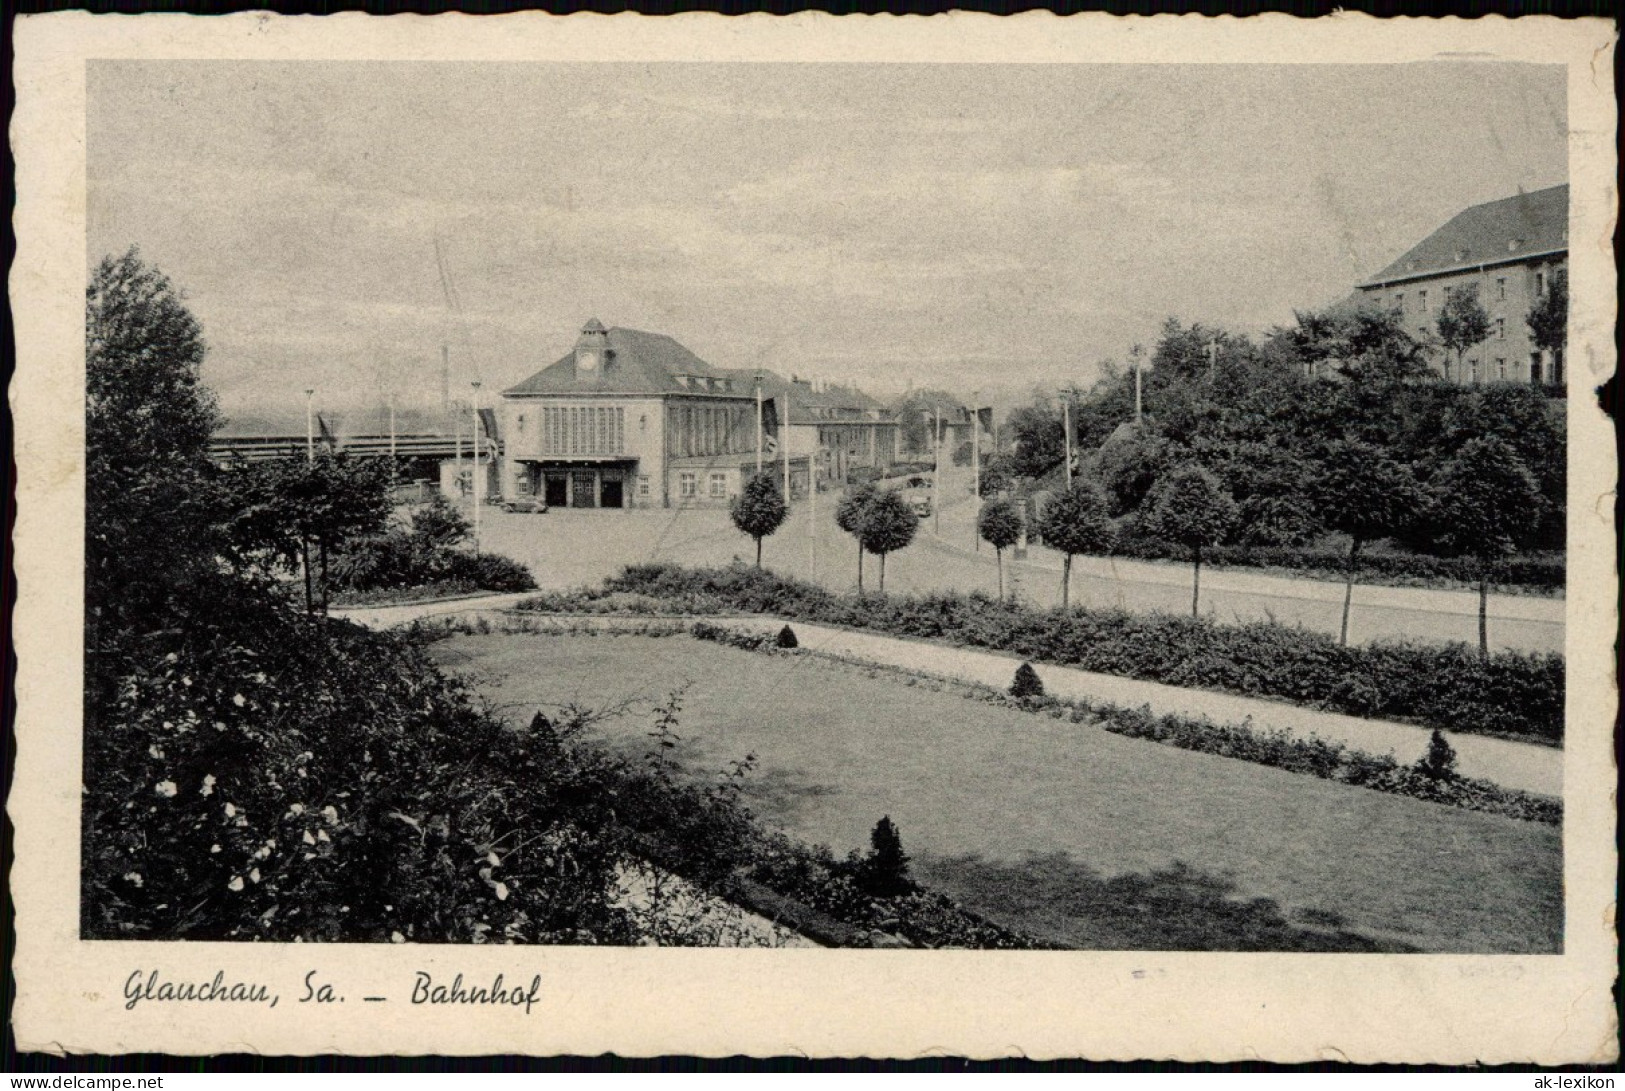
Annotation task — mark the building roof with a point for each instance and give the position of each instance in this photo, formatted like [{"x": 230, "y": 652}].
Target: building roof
[
  {"x": 951, "y": 408},
  {"x": 638, "y": 363},
  {"x": 1510, "y": 229},
  {"x": 809, "y": 404}
]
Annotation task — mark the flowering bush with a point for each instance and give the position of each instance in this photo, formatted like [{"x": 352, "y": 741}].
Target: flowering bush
[{"x": 268, "y": 777}]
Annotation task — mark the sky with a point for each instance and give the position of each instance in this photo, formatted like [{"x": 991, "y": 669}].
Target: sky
[{"x": 974, "y": 227}]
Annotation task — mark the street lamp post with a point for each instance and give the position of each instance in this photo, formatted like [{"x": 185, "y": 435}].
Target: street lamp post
[
  {"x": 1066, "y": 426},
  {"x": 476, "y": 437},
  {"x": 310, "y": 424},
  {"x": 1137, "y": 352},
  {"x": 758, "y": 424}
]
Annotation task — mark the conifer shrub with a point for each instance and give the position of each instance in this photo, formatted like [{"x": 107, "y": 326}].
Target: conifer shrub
[
  {"x": 1439, "y": 763},
  {"x": 1026, "y": 683},
  {"x": 786, "y": 638},
  {"x": 884, "y": 872}
]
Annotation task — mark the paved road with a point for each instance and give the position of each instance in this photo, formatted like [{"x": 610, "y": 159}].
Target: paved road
[{"x": 572, "y": 548}]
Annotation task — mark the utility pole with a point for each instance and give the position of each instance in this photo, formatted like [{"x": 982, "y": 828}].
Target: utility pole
[
  {"x": 310, "y": 425},
  {"x": 758, "y": 424},
  {"x": 392, "y": 439},
  {"x": 476, "y": 436},
  {"x": 812, "y": 516},
  {"x": 1066, "y": 425},
  {"x": 976, "y": 463},
  {"x": 936, "y": 471}
]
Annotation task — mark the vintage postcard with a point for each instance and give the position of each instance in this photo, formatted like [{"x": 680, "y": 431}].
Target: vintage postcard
[{"x": 841, "y": 537}]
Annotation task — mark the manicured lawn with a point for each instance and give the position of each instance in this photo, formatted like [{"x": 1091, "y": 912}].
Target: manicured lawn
[{"x": 1069, "y": 833}]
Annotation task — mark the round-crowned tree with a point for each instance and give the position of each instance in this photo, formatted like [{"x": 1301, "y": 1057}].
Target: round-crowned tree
[
  {"x": 759, "y": 509},
  {"x": 1190, "y": 507},
  {"x": 999, "y": 524},
  {"x": 849, "y": 516},
  {"x": 888, "y": 524},
  {"x": 1483, "y": 503},
  {"x": 1076, "y": 522},
  {"x": 1462, "y": 323},
  {"x": 1360, "y": 490}
]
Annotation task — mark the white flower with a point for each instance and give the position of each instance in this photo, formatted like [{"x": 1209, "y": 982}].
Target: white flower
[
  {"x": 502, "y": 891},
  {"x": 236, "y": 883},
  {"x": 331, "y": 813},
  {"x": 208, "y": 785},
  {"x": 297, "y": 808},
  {"x": 255, "y": 875},
  {"x": 259, "y": 676},
  {"x": 220, "y": 725},
  {"x": 186, "y": 679},
  {"x": 309, "y": 840},
  {"x": 321, "y": 835},
  {"x": 171, "y": 658},
  {"x": 133, "y": 877},
  {"x": 156, "y": 751},
  {"x": 493, "y": 859},
  {"x": 167, "y": 789},
  {"x": 214, "y": 848},
  {"x": 396, "y": 937},
  {"x": 239, "y": 700},
  {"x": 231, "y": 811}
]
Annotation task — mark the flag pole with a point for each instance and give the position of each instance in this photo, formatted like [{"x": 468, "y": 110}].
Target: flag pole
[
  {"x": 310, "y": 425},
  {"x": 392, "y": 440},
  {"x": 475, "y": 429}
]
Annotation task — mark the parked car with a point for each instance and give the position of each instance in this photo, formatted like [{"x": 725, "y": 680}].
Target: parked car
[
  {"x": 525, "y": 505},
  {"x": 916, "y": 493}
]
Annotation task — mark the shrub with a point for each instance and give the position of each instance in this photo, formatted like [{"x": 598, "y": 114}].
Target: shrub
[
  {"x": 1026, "y": 683},
  {"x": 1439, "y": 763},
  {"x": 426, "y": 556},
  {"x": 884, "y": 872},
  {"x": 488, "y": 571},
  {"x": 787, "y": 638},
  {"x": 1533, "y": 571}
]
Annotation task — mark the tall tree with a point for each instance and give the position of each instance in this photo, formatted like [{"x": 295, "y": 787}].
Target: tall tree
[
  {"x": 759, "y": 509},
  {"x": 849, "y": 516},
  {"x": 1483, "y": 503},
  {"x": 1191, "y": 507},
  {"x": 1462, "y": 322},
  {"x": 151, "y": 517},
  {"x": 290, "y": 514},
  {"x": 889, "y": 524},
  {"x": 1075, "y": 521},
  {"x": 1548, "y": 319},
  {"x": 1000, "y": 524},
  {"x": 1361, "y": 491}
]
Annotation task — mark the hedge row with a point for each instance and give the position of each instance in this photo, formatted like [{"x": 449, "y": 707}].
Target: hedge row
[
  {"x": 1276, "y": 748},
  {"x": 1543, "y": 573},
  {"x": 1510, "y": 694}
]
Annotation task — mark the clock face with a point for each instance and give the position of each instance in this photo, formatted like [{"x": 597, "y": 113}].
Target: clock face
[{"x": 587, "y": 361}]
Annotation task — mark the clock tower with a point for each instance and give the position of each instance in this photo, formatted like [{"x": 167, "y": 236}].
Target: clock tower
[{"x": 592, "y": 349}]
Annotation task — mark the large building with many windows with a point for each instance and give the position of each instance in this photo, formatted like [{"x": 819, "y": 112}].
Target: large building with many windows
[
  {"x": 1509, "y": 251},
  {"x": 628, "y": 419}
]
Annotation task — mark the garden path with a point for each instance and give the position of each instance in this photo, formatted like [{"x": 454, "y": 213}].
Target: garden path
[{"x": 1510, "y": 764}]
